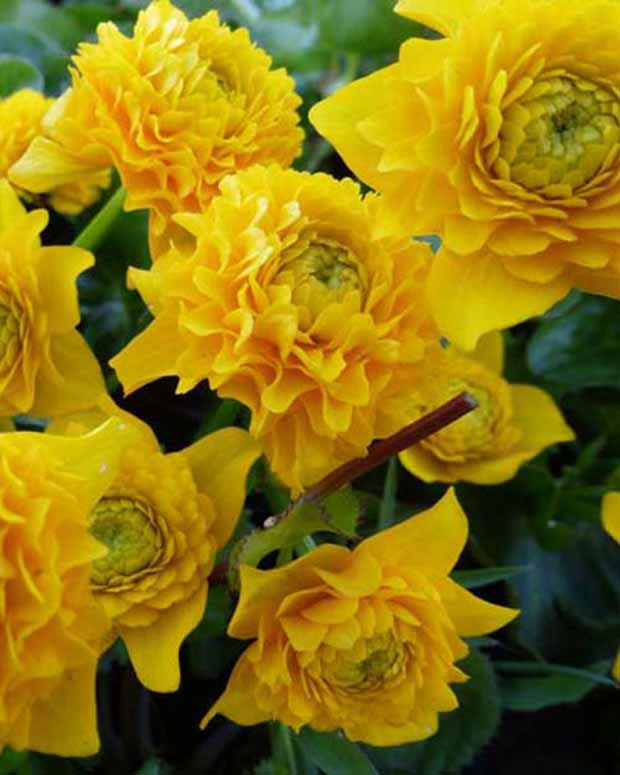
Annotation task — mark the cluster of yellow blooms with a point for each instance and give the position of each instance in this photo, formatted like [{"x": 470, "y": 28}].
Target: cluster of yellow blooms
[{"x": 312, "y": 305}]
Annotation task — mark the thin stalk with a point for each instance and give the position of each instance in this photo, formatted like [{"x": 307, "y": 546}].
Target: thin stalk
[
  {"x": 93, "y": 234},
  {"x": 380, "y": 451},
  {"x": 388, "y": 501}
]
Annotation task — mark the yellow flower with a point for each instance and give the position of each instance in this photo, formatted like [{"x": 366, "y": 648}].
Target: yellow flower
[
  {"x": 163, "y": 518},
  {"x": 512, "y": 424},
  {"x": 52, "y": 628},
  {"x": 365, "y": 640},
  {"x": 22, "y": 119},
  {"x": 611, "y": 523},
  {"x": 503, "y": 139},
  {"x": 296, "y": 303},
  {"x": 46, "y": 368},
  {"x": 176, "y": 107}
]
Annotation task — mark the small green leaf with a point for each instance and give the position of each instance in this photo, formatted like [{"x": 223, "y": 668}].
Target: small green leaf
[
  {"x": 335, "y": 754},
  {"x": 581, "y": 348},
  {"x": 531, "y": 686},
  {"x": 16, "y": 74},
  {"x": 472, "y": 579},
  {"x": 342, "y": 511},
  {"x": 14, "y": 762}
]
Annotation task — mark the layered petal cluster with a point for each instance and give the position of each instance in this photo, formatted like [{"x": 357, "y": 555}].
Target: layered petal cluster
[
  {"x": 296, "y": 302},
  {"x": 512, "y": 424},
  {"x": 46, "y": 368},
  {"x": 175, "y": 108},
  {"x": 364, "y": 641},
  {"x": 162, "y": 519},
  {"x": 504, "y": 139},
  {"x": 23, "y": 118},
  {"x": 52, "y": 628},
  {"x": 611, "y": 523}
]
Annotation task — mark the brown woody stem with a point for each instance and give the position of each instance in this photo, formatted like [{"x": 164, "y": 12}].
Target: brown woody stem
[{"x": 380, "y": 451}]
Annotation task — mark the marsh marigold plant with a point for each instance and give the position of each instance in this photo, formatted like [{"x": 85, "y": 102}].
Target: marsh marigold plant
[
  {"x": 502, "y": 138},
  {"x": 366, "y": 640},
  {"x": 175, "y": 107},
  {"x": 298, "y": 303},
  {"x": 162, "y": 520},
  {"x": 52, "y": 627},
  {"x": 46, "y": 367},
  {"x": 512, "y": 424}
]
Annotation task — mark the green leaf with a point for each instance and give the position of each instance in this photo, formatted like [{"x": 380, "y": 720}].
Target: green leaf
[
  {"x": 472, "y": 579},
  {"x": 581, "y": 348},
  {"x": 387, "y": 511},
  {"x": 155, "y": 766},
  {"x": 462, "y": 733},
  {"x": 9, "y": 10},
  {"x": 16, "y": 74},
  {"x": 14, "y": 762},
  {"x": 546, "y": 684},
  {"x": 40, "y": 51},
  {"x": 334, "y": 754}
]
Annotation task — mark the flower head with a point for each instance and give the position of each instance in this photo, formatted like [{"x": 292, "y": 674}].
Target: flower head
[
  {"x": 364, "y": 641},
  {"x": 52, "y": 627},
  {"x": 611, "y": 514},
  {"x": 162, "y": 519},
  {"x": 503, "y": 138},
  {"x": 296, "y": 302},
  {"x": 512, "y": 424},
  {"x": 23, "y": 120},
  {"x": 46, "y": 368},
  {"x": 175, "y": 108}
]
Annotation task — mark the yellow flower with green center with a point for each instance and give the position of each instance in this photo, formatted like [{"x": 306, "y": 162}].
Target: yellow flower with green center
[
  {"x": 300, "y": 302},
  {"x": 46, "y": 368},
  {"x": 22, "y": 119},
  {"x": 503, "y": 139},
  {"x": 364, "y": 641},
  {"x": 175, "y": 108},
  {"x": 511, "y": 425},
  {"x": 53, "y": 630},
  {"x": 611, "y": 523},
  {"x": 162, "y": 520}
]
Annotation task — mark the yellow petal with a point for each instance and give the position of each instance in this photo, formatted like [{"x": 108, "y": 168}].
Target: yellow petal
[
  {"x": 470, "y": 614},
  {"x": 615, "y": 670},
  {"x": 65, "y": 723},
  {"x": 150, "y": 355},
  {"x": 445, "y": 16},
  {"x": 430, "y": 542},
  {"x": 536, "y": 414},
  {"x": 238, "y": 703},
  {"x": 611, "y": 514},
  {"x": 94, "y": 458},
  {"x": 71, "y": 380},
  {"x": 11, "y": 209},
  {"x": 338, "y": 116},
  {"x": 220, "y": 463},
  {"x": 263, "y": 590},
  {"x": 360, "y": 577},
  {"x": 425, "y": 466},
  {"x": 492, "y": 470},
  {"x": 154, "y": 650},
  {"x": 470, "y": 296},
  {"x": 490, "y": 351},
  {"x": 58, "y": 269}
]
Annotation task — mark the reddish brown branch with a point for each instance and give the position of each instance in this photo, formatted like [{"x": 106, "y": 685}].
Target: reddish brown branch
[{"x": 380, "y": 451}]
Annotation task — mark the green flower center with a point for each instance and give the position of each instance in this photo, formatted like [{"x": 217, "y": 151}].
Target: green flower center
[
  {"x": 126, "y": 526},
  {"x": 559, "y": 135},
  {"x": 333, "y": 266},
  {"x": 9, "y": 335},
  {"x": 371, "y": 664}
]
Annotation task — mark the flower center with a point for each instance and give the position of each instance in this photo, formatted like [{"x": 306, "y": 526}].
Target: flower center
[
  {"x": 127, "y": 527},
  {"x": 485, "y": 431},
  {"x": 9, "y": 335},
  {"x": 370, "y": 664},
  {"x": 559, "y": 135},
  {"x": 332, "y": 265}
]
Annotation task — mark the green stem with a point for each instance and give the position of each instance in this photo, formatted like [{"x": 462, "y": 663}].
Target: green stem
[
  {"x": 388, "y": 501},
  {"x": 93, "y": 234},
  {"x": 282, "y": 748}
]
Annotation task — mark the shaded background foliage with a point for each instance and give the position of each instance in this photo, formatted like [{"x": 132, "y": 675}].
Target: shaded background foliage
[{"x": 539, "y": 698}]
